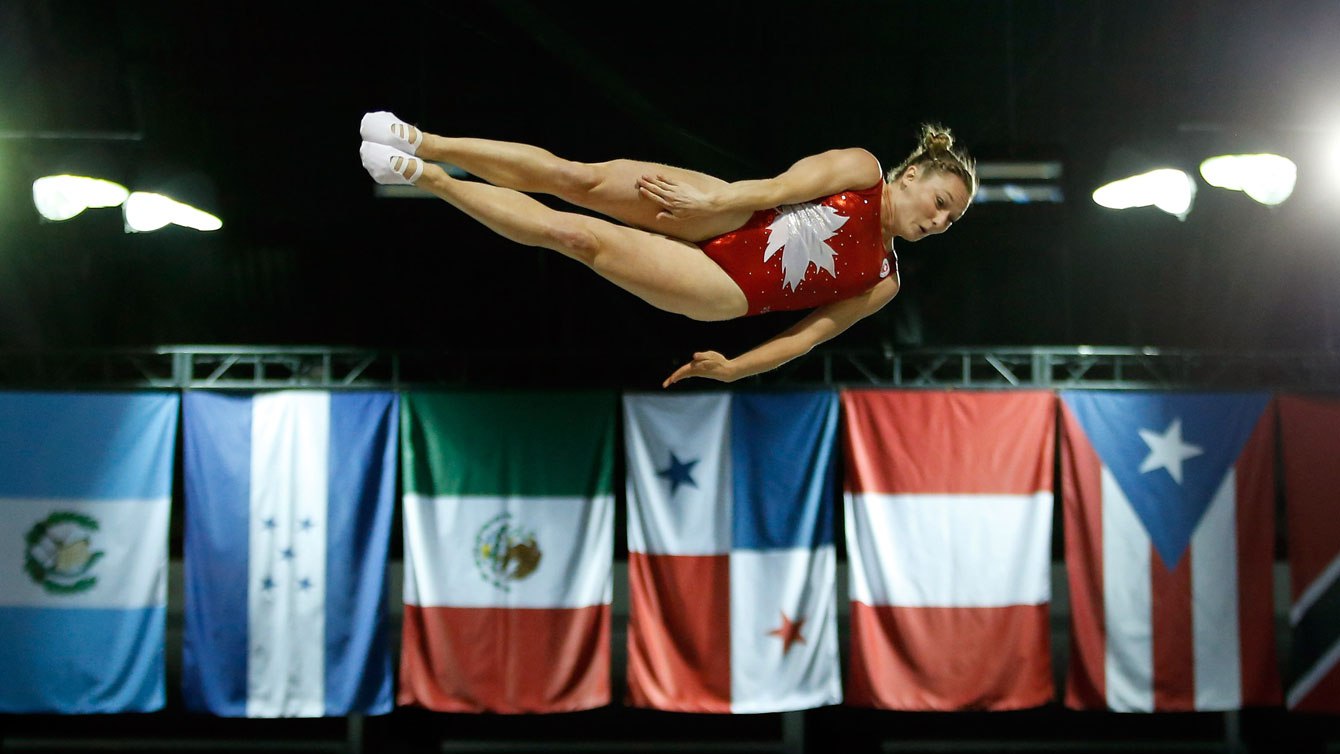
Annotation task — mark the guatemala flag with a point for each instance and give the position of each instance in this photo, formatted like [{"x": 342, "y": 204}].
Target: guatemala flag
[
  {"x": 85, "y": 495},
  {"x": 1169, "y": 524},
  {"x": 731, "y": 563},
  {"x": 289, "y": 498}
]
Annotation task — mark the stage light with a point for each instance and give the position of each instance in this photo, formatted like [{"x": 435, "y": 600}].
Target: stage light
[
  {"x": 61, "y": 197},
  {"x": 146, "y": 212},
  {"x": 1168, "y": 189},
  {"x": 1019, "y": 182},
  {"x": 1267, "y": 178}
]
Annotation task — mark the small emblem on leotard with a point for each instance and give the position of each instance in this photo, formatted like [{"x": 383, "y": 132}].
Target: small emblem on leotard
[{"x": 884, "y": 268}]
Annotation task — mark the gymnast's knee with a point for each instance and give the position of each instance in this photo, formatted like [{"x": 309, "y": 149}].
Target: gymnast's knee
[
  {"x": 576, "y": 179},
  {"x": 569, "y": 235}
]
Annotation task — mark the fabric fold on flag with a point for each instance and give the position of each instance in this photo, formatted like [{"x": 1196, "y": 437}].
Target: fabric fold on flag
[
  {"x": 1169, "y": 525},
  {"x": 509, "y": 551},
  {"x": 1310, "y": 442},
  {"x": 289, "y": 498},
  {"x": 731, "y": 561},
  {"x": 948, "y": 501},
  {"x": 85, "y": 499}
]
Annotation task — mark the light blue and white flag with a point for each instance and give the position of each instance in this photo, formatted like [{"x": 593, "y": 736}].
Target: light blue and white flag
[
  {"x": 85, "y": 489},
  {"x": 289, "y": 498}
]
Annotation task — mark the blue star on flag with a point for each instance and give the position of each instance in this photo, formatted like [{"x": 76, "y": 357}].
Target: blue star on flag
[{"x": 680, "y": 472}]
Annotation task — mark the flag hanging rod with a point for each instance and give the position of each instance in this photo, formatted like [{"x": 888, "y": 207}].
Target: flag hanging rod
[{"x": 206, "y": 367}]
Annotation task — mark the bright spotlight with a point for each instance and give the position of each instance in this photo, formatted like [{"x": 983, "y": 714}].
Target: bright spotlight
[
  {"x": 1267, "y": 178},
  {"x": 146, "y": 212},
  {"x": 61, "y": 197},
  {"x": 1333, "y": 156},
  {"x": 1168, "y": 189}
]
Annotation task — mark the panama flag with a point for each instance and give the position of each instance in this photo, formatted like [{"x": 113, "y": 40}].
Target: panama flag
[
  {"x": 1169, "y": 528},
  {"x": 1311, "y": 445},
  {"x": 84, "y": 502},
  {"x": 731, "y": 560},
  {"x": 949, "y": 522},
  {"x": 509, "y": 551},
  {"x": 289, "y": 497}
]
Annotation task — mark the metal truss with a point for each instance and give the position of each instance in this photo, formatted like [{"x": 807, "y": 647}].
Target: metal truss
[
  {"x": 219, "y": 367},
  {"x": 1049, "y": 367},
  {"x": 1070, "y": 367}
]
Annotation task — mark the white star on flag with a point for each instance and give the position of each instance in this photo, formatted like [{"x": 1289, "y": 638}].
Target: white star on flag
[
  {"x": 800, "y": 231},
  {"x": 1167, "y": 451}
]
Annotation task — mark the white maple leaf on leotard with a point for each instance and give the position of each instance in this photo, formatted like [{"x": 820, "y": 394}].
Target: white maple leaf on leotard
[{"x": 800, "y": 231}]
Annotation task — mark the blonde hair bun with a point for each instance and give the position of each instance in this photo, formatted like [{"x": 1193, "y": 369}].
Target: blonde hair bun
[
  {"x": 936, "y": 138},
  {"x": 935, "y": 150}
]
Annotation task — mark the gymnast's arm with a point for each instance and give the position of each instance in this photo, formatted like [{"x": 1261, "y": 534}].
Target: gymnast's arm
[
  {"x": 814, "y": 177},
  {"x": 820, "y": 325}
]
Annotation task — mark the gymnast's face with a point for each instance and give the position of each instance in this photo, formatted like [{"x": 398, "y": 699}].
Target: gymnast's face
[{"x": 927, "y": 202}]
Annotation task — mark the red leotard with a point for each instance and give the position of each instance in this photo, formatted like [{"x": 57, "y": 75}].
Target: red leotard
[{"x": 833, "y": 249}]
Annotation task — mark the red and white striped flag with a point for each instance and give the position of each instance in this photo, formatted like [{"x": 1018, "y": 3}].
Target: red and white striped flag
[
  {"x": 1169, "y": 531},
  {"x": 949, "y": 512}
]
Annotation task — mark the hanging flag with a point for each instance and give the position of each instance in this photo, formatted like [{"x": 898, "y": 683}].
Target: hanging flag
[
  {"x": 509, "y": 551},
  {"x": 949, "y": 520},
  {"x": 1169, "y": 520},
  {"x": 1311, "y": 444},
  {"x": 85, "y": 495},
  {"x": 289, "y": 497},
  {"x": 731, "y": 565}
]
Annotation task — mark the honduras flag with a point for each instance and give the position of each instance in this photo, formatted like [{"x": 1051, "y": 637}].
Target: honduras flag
[
  {"x": 731, "y": 563},
  {"x": 84, "y": 502},
  {"x": 288, "y": 511},
  {"x": 1169, "y": 516}
]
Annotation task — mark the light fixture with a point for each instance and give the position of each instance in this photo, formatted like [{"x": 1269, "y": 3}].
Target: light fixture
[
  {"x": 1267, "y": 178},
  {"x": 146, "y": 212},
  {"x": 1019, "y": 182},
  {"x": 1169, "y": 189},
  {"x": 170, "y": 195},
  {"x": 61, "y": 197}
]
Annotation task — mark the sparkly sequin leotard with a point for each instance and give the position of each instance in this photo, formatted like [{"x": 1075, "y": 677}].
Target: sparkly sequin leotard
[{"x": 801, "y": 256}]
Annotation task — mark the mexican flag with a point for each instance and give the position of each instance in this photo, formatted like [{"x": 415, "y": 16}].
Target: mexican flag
[{"x": 509, "y": 541}]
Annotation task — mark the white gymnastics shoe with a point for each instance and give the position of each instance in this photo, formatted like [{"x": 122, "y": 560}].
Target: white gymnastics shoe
[
  {"x": 390, "y": 166},
  {"x": 383, "y": 127}
]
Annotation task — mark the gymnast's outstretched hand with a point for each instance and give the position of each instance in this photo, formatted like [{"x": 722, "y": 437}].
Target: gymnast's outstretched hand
[
  {"x": 709, "y": 364},
  {"x": 678, "y": 201}
]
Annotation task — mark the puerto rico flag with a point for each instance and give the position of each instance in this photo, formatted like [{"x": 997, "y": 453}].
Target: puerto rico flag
[
  {"x": 731, "y": 564},
  {"x": 1169, "y": 533},
  {"x": 949, "y": 523},
  {"x": 1311, "y": 444}
]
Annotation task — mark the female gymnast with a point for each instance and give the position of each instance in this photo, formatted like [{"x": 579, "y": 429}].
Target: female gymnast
[{"x": 820, "y": 235}]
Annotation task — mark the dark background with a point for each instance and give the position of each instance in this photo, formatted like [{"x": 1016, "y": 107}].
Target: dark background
[{"x": 254, "y": 108}]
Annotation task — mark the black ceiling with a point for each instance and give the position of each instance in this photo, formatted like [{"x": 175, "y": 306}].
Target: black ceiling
[{"x": 260, "y": 103}]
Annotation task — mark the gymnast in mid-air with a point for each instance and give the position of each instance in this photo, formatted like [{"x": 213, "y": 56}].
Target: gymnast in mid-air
[{"x": 820, "y": 235}]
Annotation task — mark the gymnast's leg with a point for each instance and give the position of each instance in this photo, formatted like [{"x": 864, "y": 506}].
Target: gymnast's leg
[
  {"x": 609, "y": 188},
  {"x": 666, "y": 273}
]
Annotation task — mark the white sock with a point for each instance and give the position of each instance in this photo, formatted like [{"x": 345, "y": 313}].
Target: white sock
[
  {"x": 376, "y": 128},
  {"x": 380, "y": 162}
]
